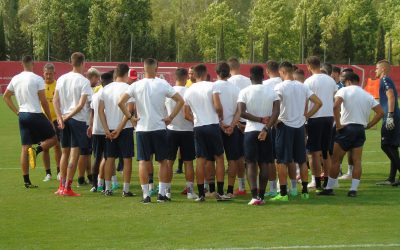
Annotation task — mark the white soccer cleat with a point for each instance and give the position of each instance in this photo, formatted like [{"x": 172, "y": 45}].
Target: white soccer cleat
[
  {"x": 192, "y": 196},
  {"x": 345, "y": 177},
  {"x": 47, "y": 178},
  {"x": 311, "y": 184},
  {"x": 255, "y": 202}
]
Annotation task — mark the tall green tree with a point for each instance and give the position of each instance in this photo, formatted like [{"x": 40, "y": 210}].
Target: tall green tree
[
  {"x": 332, "y": 40},
  {"x": 380, "y": 44},
  {"x": 3, "y": 47},
  {"x": 265, "y": 49},
  {"x": 221, "y": 45},
  {"x": 348, "y": 45},
  {"x": 162, "y": 46},
  {"x": 171, "y": 57}
]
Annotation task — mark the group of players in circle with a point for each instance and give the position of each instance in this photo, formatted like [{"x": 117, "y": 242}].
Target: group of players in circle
[{"x": 265, "y": 128}]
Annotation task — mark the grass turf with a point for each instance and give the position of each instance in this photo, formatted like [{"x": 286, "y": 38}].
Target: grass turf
[{"x": 39, "y": 219}]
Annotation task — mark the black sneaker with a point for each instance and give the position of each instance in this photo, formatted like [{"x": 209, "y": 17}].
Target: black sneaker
[
  {"x": 352, "y": 193},
  {"x": 108, "y": 193},
  {"x": 146, "y": 200},
  {"x": 128, "y": 194},
  {"x": 30, "y": 185},
  {"x": 179, "y": 171},
  {"x": 326, "y": 192},
  {"x": 161, "y": 198}
]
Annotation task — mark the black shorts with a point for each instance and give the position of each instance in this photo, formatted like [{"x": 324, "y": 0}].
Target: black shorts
[
  {"x": 152, "y": 142},
  {"x": 88, "y": 150},
  {"x": 74, "y": 134},
  {"x": 350, "y": 136},
  {"x": 391, "y": 137},
  {"x": 184, "y": 140},
  {"x": 34, "y": 128},
  {"x": 122, "y": 146},
  {"x": 208, "y": 141},
  {"x": 289, "y": 144},
  {"x": 57, "y": 130},
  {"x": 319, "y": 134},
  {"x": 233, "y": 145},
  {"x": 98, "y": 145},
  {"x": 256, "y": 150}
]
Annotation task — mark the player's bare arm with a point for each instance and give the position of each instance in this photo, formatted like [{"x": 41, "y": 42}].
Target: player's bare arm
[
  {"x": 103, "y": 119},
  {"x": 179, "y": 104},
  {"x": 271, "y": 121},
  {"x": 57, "y": 109},
  {"x": 188, "y": 115},
  {"x": 336, "y": 112},
  {"x": 122, "y": 105},
  {"x": 377, "y": 117},
  {"x": 77, "y": 109},
  {"x": 317, "y": 105},
  {"x": 244, "y": 114},
  {"x": 44, "y": 103},
  {"x": 7, "y": 99}
]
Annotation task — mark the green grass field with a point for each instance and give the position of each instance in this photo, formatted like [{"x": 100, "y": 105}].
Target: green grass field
[{"x": 39, "y": 219}]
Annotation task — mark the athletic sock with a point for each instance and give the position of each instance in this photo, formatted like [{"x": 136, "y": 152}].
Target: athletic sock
[
  {"x": 220, "y": 187},
  {"x": 350, "y": 170},
  {"x": 304, "y": 185},
  {"x": 100, "y": 182},
  {"x": 242, "y": 184},
  {"x": 331, "y": 183},
  {"x": 189, "y": 186},
  {"x": 230, "y": 189},
  {"x": 200, "y": 187},
  {"x": 354, "y": 184},
  {"x": 151, "y": 178},
  {"x": 108, "y": 185},
  {"x": 95, "y": 181},
  {"x": 81, "y": 180},
  {"x": 283, "y": 190},
  {"x": 68, "y": 184},
  {"x": 145, "y": 190},
  {"x": 48, "y": 171},
  {"x": 254, "y": 193},
  {"x": 211, "y": 187},
  {"x": 126, "y": 187},
  {"x": 206, "y": 186},
  {"x": 168, "y": 188},
  {"x": 90, "y": 178},
  {"x": 272, "y": 186},
  {"x": 317, "y": 182},
  {"x": 325, "y": 181},
  {"x": 293, "y": 184},
  {"x": 39, "y": 149},
  {"x": 261, "y": 194},
  {"x": 26, "y": 179},
  {"x": 161, "y": 188},
  {"x": 58, "y": 170},
  {"x": 114, "y": 179}
]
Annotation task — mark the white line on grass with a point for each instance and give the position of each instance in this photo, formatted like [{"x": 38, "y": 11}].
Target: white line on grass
[{"x": 310, "y": 247}]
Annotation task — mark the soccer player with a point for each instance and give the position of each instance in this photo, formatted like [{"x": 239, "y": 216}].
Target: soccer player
[
  {"x": 241, "y": 82},
  {"x": 298, "y": 75},
  {"x": 50, "y": 87},
  {"x": 319, "y": 126},
  {"x": 34, "y": 126},
  {"x": 390, "y": 131},
  {"x": 207, "y": 136},
  {"x": 180, "y": 136},
  {"x": 225, "y": 96},
  {"x": 290, "y": 147},
  {"x": 151, "y": 133},
  {"x": 119, "y": 133},
  {"x": 72, "y": 93},
  {"x": 259, "y": 104},
  {"x": 352, "y": 109}
]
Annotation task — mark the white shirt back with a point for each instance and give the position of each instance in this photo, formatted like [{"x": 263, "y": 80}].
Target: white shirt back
[
  {"x": 272, "y": 82},
  {"x": 240, "y": 81},
  {"x": 356, "y": 106},
  {"x": 259, "y": 100},
  {"x": 150, "y": 94},
  {"x": 71, "y": 87},
  {"x": 199, "y": 98},
  {"x": 26, "y": 86},
  {"x": 110, "y": 96},
  {"x": 228, "y": 95},
  {"x": 293, "y": 96},
  {"x": 97, "y": 128},
  {"x": 179, "y": 123},
  {"x": 324, "y": 87}
]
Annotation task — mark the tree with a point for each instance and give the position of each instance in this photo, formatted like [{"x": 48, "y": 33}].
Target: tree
[
  {"x": 221, "y": 45},
  {"x": 3, "y": 47},
  {"x": 348, "y": 45},
  {"x": 171, "y": 57},
  {"x": 380, "y": 44},
  {"x": 162, "y": 46},
  {"x": 265, "y": 49},
  {"x": 332, "y": 40}
]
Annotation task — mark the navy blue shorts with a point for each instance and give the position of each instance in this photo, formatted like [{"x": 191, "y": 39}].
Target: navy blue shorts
[
  {"x": 391, "y": 137},
  {"x": 182, "y": 140},
  {"x": 98, "y": 145},
  {"x": 319, "y": 134},
  {"x": 152, "y": 142},
  {"x": 208, "y": 141},
  {"x": 122, "y": 146},
  {"x": 89, "y": 149},
  {"x": 34, "y": 128},
  {"x": 74, "y": 134},
  {"x": 58, "y": 131},
  {"x": 350, "y": 136},
  {"x": 233, "y": 145},
  {"x": 289, "y": 144},
  {"x": 256, "y": 150}
]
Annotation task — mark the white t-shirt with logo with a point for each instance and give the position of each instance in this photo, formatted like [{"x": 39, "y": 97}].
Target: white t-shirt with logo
[
  {"x": 293, "y": 96},
  {"x": 259, "y": 100},
  {"x": 272, "y": 82},
  {"x": 228, "y": 95},
  {"x": 71, "y": 87},
  {"x": 324, "y": 87},
  {"x": 199, "y": 98},
  {"x": 97, "y": 128},
  {"x": 25, "y": 87},
  {"x": 150, "y": 94},
  {"x": 240, "y": 81},
  {"x": 356, "y": 106},
  {"x": 179, "y": 123}
]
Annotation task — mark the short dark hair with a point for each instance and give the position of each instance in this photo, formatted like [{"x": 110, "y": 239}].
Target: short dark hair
[
  {"x": 107, "y": 77},
  {"x": 181, "y": 73},
  {"x": 352, "y": 77},
  {"x": 49, "y": 66},
  {"x": 299, "y": 72},
  {"x": 272, "y": 66},
  {"x": 327, "y": 67},
  {"x": 287, "y": 66},
  {"x": 347, "y": 70},
  {"x": 200, "y": 70},
  {"x": 27, "y": 59},
  {"x": 257, "y": 73},
  {"x": 121, "y": 70},
  {"x": 77, "y": 59},
  {"x": 223, "y": 70},
  {"x": 336, "y": 69},
  {"x": 314, "y": 62},
  {"x": 150, "y": 62},
  {"x": 233, "y": 63}
]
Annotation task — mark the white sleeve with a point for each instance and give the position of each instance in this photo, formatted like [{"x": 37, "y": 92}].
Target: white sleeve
[
  {"x": 170, "y": 90},
  {"x": 131, "y": 100},
  {"x": 216, "y": 89},
  {"x": 374, "y": 102},
  {"x": 131, "y": 90},
  {"x": 86, "y": 89},
  {"x": 340, "y": 93},
  {"x": 40, "y": 84},
  {"x": 10, "y": 86},
  {"x": 309, "y": 93},
  {"x": 242, "y": 97}
]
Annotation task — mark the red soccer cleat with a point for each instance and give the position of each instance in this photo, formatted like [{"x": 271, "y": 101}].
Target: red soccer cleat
[
  {"x": 239, "y": 193},
  {"x": 59, "y": 191},
  {"x": 69, "y": 192}
]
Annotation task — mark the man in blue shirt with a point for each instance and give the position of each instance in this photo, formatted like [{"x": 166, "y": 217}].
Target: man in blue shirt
[{"x": 390, "y": 132}]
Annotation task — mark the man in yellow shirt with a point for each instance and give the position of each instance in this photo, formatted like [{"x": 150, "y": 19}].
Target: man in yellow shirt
[
  {"x": 50, "y": 86},
  {"x": 191, "y": 78}
]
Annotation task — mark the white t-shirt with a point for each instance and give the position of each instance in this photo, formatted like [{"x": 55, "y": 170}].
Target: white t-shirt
[
  {"x": 293, "y": 96},
  {"x": 199, "y": 98},
  {"x": 150, "y": 94},
  {"x": 110, "y": 96},
  {"x": 228, "y": 95},
  {"x": 240, "y": 81},
  {"x": 356, "y": 106},
  {"x": 71, "y": 87},
  {"x": 259, "y": 100},
  {"x": 324, "y": 87},
  {"x": 272, "y": 82},
  {"x": 179, "y": 123},
  {"x": 26, "y": 86},
  {"x": 97, "y": 128}
]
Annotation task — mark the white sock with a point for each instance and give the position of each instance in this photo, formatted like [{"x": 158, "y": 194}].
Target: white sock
[
  {"x": 331, "y": 183},
  {"x": 126, "y": 187},
  {"x": 189, "y": 186},
  {"x": 350, "y": 170},
  {"x": 294, "y": 184},
  {"x": 161, "y": 188},
  {"x": 145, "y": 190},
  {"x": 114, "y": 179},
  {"x": 242, "y": 184},
  {"x": 354, "y": 184},
  {"x": 206, "y": 185},
  {"x": 272, "y": 186},
  {"x": 313, "y": 178},
  {"x": 297, "y": 169},
  {"x": 100, "y": 182},
  {"x": 151, "y": 186},
  {"x": 168, "y": 188},
  {"x": 108, "y": 185}
]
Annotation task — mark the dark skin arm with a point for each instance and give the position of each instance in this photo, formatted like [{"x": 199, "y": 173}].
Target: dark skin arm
[
  {"x": 244, "y": 114},
  {"x": 271, "y": 121}
]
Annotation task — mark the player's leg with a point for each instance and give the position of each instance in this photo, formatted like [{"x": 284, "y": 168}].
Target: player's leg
[
  {"x": 355, "y": 181},
  {"x": 71, "y": 169},
  {"x": 108, "y": 171},
  {"x": 262, "y": 180},
  {"x": 292, "y": 176},
  {"x": 172, "y": 149},
  {"x": 200, "y": 175},
  {"x": 314, "y": 146},
  {"x": 241, "y": 190},
  {"x": 188, "y": 154},
  {"x": 126, "y": 148},
  {"x": 392, "y": 153},
  {"x": 144, "y": 158},
  {"x": 25, "y": 167},
  {"x": 217, "y": 150},
  {"x": 82, "y": 163},
  {"x": 251, "y": 156},
  {"x": 209, "y": 181},
  {"x": 46, "y": 164}
]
